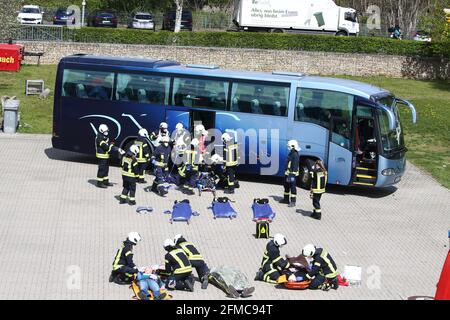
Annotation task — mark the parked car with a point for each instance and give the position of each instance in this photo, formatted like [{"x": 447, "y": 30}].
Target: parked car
[
  {"x": 64, "y": 16},
  {"x": 102, "y": 18},
  {"x": 30, "y": 15},
  {"x": 422, "y": 36},
  {"x": 169, "y": 20},
  {"x": 142, "y": 20}
]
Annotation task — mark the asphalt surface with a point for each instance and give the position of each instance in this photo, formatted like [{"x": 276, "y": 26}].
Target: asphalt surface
[{"x": 59, "y": 233}]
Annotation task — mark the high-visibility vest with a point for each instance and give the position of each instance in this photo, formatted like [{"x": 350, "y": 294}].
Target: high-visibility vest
[
  {"x": 231, "y": 155},
  {"x": 191, "y": 251},
  {"x": 182, "y": 262},
  {"x": 128, "y": 165},
  {"x": 100, "y": 153}
]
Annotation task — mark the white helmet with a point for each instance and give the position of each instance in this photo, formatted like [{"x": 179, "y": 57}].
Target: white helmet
[
  {"x": 163, "y": 125},
  {"x": 143, "y": 133},
  {"x": 134, "y": 149},
  {"x": 195, "y": 142},
  {"x": 134, "y": 237},
  {"x": 178, "y": 236},
  {"x": 168, "y": 243},
  {"x": 103, "y": 128},
  {"x": 216, "y": 158},
  {"x": 293, "y": 144},
  {"x": 279, "y": 240},
  {"x": 226, "y": 137},
  {"x": 199, "y": 129},
  {"x": 179, "y": 127},
  {"x": 309, "y": 250},
  {"x": 165, "y": 139}
]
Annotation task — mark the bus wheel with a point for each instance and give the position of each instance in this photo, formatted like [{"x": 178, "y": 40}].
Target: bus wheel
[{"x": 304, "y": 176}]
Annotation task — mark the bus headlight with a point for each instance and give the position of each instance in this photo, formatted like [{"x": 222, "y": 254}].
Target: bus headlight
[{"x": 388, "y": 172}]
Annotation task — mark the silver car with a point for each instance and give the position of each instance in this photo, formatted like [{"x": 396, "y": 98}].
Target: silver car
[{"x": 142, "y": 20}]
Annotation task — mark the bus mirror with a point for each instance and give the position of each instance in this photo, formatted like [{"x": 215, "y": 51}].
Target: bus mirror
[
  {"x": 391, "y": 117},
  {"x": 410, "y": 106}
]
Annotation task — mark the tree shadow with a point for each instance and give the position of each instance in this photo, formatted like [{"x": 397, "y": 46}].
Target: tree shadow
[{"x": 427, "y": 68}]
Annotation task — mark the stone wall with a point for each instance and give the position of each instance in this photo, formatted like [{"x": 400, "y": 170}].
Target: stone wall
[{"x": 323, "y": 63}]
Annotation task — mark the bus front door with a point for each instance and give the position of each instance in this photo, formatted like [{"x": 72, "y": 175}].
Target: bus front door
[
  {"x": 178, "y": 116},
  {"x": 339, "y": 155}
]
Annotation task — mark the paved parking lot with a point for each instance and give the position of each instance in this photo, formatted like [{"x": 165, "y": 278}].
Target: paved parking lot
[{"x": 59, "y": 233}]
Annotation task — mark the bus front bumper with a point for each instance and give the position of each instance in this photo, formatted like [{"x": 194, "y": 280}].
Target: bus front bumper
[{"x": 390, "y": 171}]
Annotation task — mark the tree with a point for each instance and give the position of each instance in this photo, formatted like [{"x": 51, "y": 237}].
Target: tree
[
  {"x": 179, "y": 11},
  {"x": 8, "y": 14}
]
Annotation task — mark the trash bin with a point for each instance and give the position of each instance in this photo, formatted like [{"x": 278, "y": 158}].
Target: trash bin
[
  {"x": 319, "y": 18},
  {"x": 10, "y": 115}
]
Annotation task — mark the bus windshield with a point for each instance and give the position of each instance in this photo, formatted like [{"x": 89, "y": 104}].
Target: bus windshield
[{"x": 392, "y": 140}]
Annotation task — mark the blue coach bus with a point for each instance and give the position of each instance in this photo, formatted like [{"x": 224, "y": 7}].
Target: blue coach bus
[{"x": 353, "y": 127}]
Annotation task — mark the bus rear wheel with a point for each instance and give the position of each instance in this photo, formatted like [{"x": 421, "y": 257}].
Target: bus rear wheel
[{"x": 304, "y": 175}]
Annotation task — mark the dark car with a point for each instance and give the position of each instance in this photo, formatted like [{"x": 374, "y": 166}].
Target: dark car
[
  {"x": 169, "y": 20},
  {"x": 103, "y": 18},
  {"x": 64, "y": 16}
]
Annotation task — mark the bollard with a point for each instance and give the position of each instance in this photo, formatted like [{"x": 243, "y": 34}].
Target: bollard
[{"x": 10, "y": 115}]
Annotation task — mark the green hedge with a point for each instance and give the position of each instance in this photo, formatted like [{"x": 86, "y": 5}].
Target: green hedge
[{"x": 265, "y": 41}]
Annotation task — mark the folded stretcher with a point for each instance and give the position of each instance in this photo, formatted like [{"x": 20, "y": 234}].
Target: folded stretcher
[
  {"x": 262, "y": 210},
  {"x": 181, "y": 211},
  {"x": 222, "y": 208}
]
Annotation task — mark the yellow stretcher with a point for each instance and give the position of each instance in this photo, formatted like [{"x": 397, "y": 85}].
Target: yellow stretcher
[{"x": 135, "y": 287}]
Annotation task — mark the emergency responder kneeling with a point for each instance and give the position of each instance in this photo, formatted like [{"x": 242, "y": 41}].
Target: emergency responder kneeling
[
  {"x": 291, "y": 173},
  {"x": 323, "y": 273},
  {"x": 178, "y": 269},
  {"x": 195, "y": 258},
  {"x": 103, "y": 148},
  {"x": 143, "y": 157},
  {"x": 130, "y": 171},
  {"x": 123, "y": 265},
  {"x": 231, "y": 159},
  {"x": 188, "y": 172},
  {"x": 160, "y": 160},
  {"x": 273, "y": 264}
]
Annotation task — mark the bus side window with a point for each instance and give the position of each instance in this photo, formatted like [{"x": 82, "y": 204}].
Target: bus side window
[{"x": 69, "y": 89}]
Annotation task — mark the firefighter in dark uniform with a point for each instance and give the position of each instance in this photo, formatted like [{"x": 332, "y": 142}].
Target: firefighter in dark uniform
[
  {"x": 273, "y": 264},
  {"x": 195, "y": 258},
  {"x": 231, "y": 159},
  {"x": 188, "y": 172},
  {"x": 130, "y": 170},
  {"x": 319, "y": 181},
  {"x": 323, "y": 273},
  {"x": 178, "y": 269},
  {"x": 156, "y": 136},
  {"x": 143, "y": 157},
  {"x": 103, "y": 148},
  {"x": 291, "y": 173},
  {"x": 123, "y": 265},
  {"x": 160, "y": 160}
]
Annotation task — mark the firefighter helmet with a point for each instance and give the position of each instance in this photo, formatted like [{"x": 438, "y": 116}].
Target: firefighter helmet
[
  {"x": 134, "y": 149},
  {"x": 309, "y": 250},
  {"x": 279, "y": 240},
  {"x": 134, "y": 237},
  {"x": 103, "y": 128}
]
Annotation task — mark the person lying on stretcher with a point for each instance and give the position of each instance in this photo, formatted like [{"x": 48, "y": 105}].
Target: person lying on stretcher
[
  {"x": 295, "y": 276},
  {"x": 148, "y": 280}
]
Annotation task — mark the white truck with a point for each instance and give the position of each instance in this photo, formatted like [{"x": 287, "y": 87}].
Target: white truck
[{"x": 295, "y": 16}]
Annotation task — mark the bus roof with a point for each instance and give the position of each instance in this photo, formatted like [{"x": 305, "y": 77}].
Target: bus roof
[
  {"x": 169, "y": 66},
  {"x": 118, "y": 61},
  {"x": 349, "y": 86}
]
